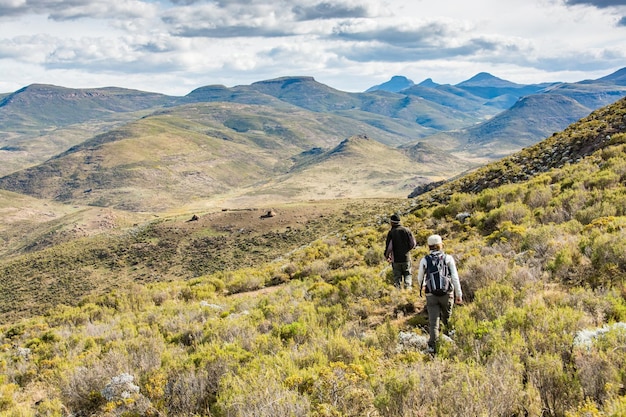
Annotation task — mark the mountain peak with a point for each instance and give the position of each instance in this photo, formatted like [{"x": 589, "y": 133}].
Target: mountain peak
[
  {"x": 285, "y": 81},
  {"x": 429, "y": 83},
  {"x": 395, "y": 84},
  {"x": 484, "y": 79},
  {"x": 618, "y": 77}
]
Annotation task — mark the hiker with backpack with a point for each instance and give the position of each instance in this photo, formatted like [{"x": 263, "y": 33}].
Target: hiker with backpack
[
  {"x": 438, "y": 277},
  {"x": 398, "y": 247}
]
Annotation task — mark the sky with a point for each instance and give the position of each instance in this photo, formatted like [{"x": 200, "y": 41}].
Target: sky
[{"x": 175, "y": 46}]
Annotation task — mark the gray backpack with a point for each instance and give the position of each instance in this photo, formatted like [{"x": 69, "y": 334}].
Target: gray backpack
[{"x": 438, "y": 279}]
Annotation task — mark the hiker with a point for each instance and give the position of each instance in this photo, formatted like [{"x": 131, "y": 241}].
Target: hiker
[
  {"x": 438, "y": 277},
  {"x": 398, "y": 247}
]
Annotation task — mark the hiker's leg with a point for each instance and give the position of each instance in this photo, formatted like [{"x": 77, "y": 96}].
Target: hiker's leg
[
  {"x": 408, "y": 277},
  {"x": 397, "y": 274},
  {"x": 434, "y": 311},
  {"x": 447, "y": 302}
]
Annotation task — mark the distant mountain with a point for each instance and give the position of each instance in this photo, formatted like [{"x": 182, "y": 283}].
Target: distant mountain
[
  {"x": 53, "y": 139},
  {"x": 396, "y": 84},
  {"x": 39, "y": 121},
  {"x": 239, "y": 94},
  {"x": 602, "y": 128},
  {"x": 530, "y": 119},
  {"x": 428, "y": 82},
  {"x": 591, "y": 94},
  {"x": 487, "y": 86},
  {"x": 42, "y": 106},
  {"x": 618, "y": 77},
  {"x": 203, "y": 150}
]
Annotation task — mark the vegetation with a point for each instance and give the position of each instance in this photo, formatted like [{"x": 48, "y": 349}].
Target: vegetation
[{"x": 541, "y": 262}]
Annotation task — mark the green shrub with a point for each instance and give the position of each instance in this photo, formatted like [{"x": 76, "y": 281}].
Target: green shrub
[
  {"x": 480, "y": 272},
  {"x": 537, "y": 197},
  {"x": 557, "y": 385},
  {"x": 599, "y": 376},
  {"x": 259, "y": 392},
  {"x": 493, "y": 301}
]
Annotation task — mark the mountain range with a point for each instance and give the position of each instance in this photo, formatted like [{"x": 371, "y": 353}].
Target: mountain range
[{"x": 286, "y": 139}]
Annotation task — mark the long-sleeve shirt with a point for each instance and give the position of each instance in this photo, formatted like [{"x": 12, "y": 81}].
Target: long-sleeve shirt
[
  {"x": 402, "y": 242},
  {"x": 454, "y": 275}
]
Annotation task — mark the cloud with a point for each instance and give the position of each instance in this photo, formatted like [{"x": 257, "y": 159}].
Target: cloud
[
  {"x": 597, "y": 3},
  {"x": 394, "y": 33},
  {"x": 62, "y": 10},
  {"x": 256, "y": 18},
  {"x": 233, "y": 20},
  {"x": 231, "y": 41},
  {"x": 329, "y": 11},
  {"x": 379, "y": 52}
]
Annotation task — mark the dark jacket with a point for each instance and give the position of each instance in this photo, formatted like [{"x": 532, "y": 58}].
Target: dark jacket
[{"x": 402, "y": 241}]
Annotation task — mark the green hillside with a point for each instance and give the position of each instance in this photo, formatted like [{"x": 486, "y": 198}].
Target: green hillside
[
  {"x": 240, "y": 314},
  {"x": 213, "y": 152},
  {"x": 39, "y": 121},
  {"x": 604, "y": 127}
]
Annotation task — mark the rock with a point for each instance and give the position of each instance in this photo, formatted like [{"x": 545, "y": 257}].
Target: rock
[{"x": 121, "y": 387}]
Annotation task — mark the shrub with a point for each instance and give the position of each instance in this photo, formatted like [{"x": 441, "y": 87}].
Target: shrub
[
  {"x": 599, "y": 375},
  {"x": 342, "y": 389},
  {"x": 557, "y": 386},
  {"x": 608, "y": 257},
  {"x": 596, "y": 210},
  {"x": 373, "y": 257},
  {"x": 188, "y": 392},
  {"x": 493, "y": 301},
  {"x": 537, "y": 197},
  {"x": 480, "y": 271},
  {"x": 259, "y": 393},
  {"x": 514, "y": 213},
  {"x": 81, "y": 390}
]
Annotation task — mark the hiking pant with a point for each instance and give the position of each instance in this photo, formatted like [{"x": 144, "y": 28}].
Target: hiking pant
[
  {"x": 402, "y": 273},
  {"x": 439, "y": 311}
]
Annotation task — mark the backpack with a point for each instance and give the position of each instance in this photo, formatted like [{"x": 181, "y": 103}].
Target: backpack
[{"x": 438, "y": 280}]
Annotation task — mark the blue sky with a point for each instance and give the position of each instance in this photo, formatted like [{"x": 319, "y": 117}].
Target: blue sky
[{"x": 173, "y": 47}]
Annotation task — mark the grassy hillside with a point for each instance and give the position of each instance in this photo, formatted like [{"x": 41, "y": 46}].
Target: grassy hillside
[
  {"x": 528, "y": 120},
  {"x": 29, "y": 224},
  {"x": 603, "y": 128},
  {"x": 89, "y": 251},
  {"x": 216, "y": 152},
  {"x": 39, "y": 121},
  {"x": 359, "y": 167},
  {"x": 319, "y": 330}
]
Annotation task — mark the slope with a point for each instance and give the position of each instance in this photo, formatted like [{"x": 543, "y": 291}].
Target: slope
[
  {"x": 29, "y": 224},
  {"x": 531, "y": 118},
  {"x": 604, "y": 127},
  {"x": 358, "y": 167},
  {"x": 204, "y": 151},
  {"x": 86, "y": 252},
  {"x": 39, "y": 121}
]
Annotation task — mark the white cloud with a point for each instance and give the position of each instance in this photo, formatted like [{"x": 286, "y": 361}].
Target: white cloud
[{"x": 350, "y": 44}]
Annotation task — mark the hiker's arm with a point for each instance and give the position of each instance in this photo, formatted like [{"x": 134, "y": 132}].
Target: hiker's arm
[
  {"x": 386, "y": 254},
  {"x": 420, "y": 274},
  {"x": 456, "y": 283}
]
